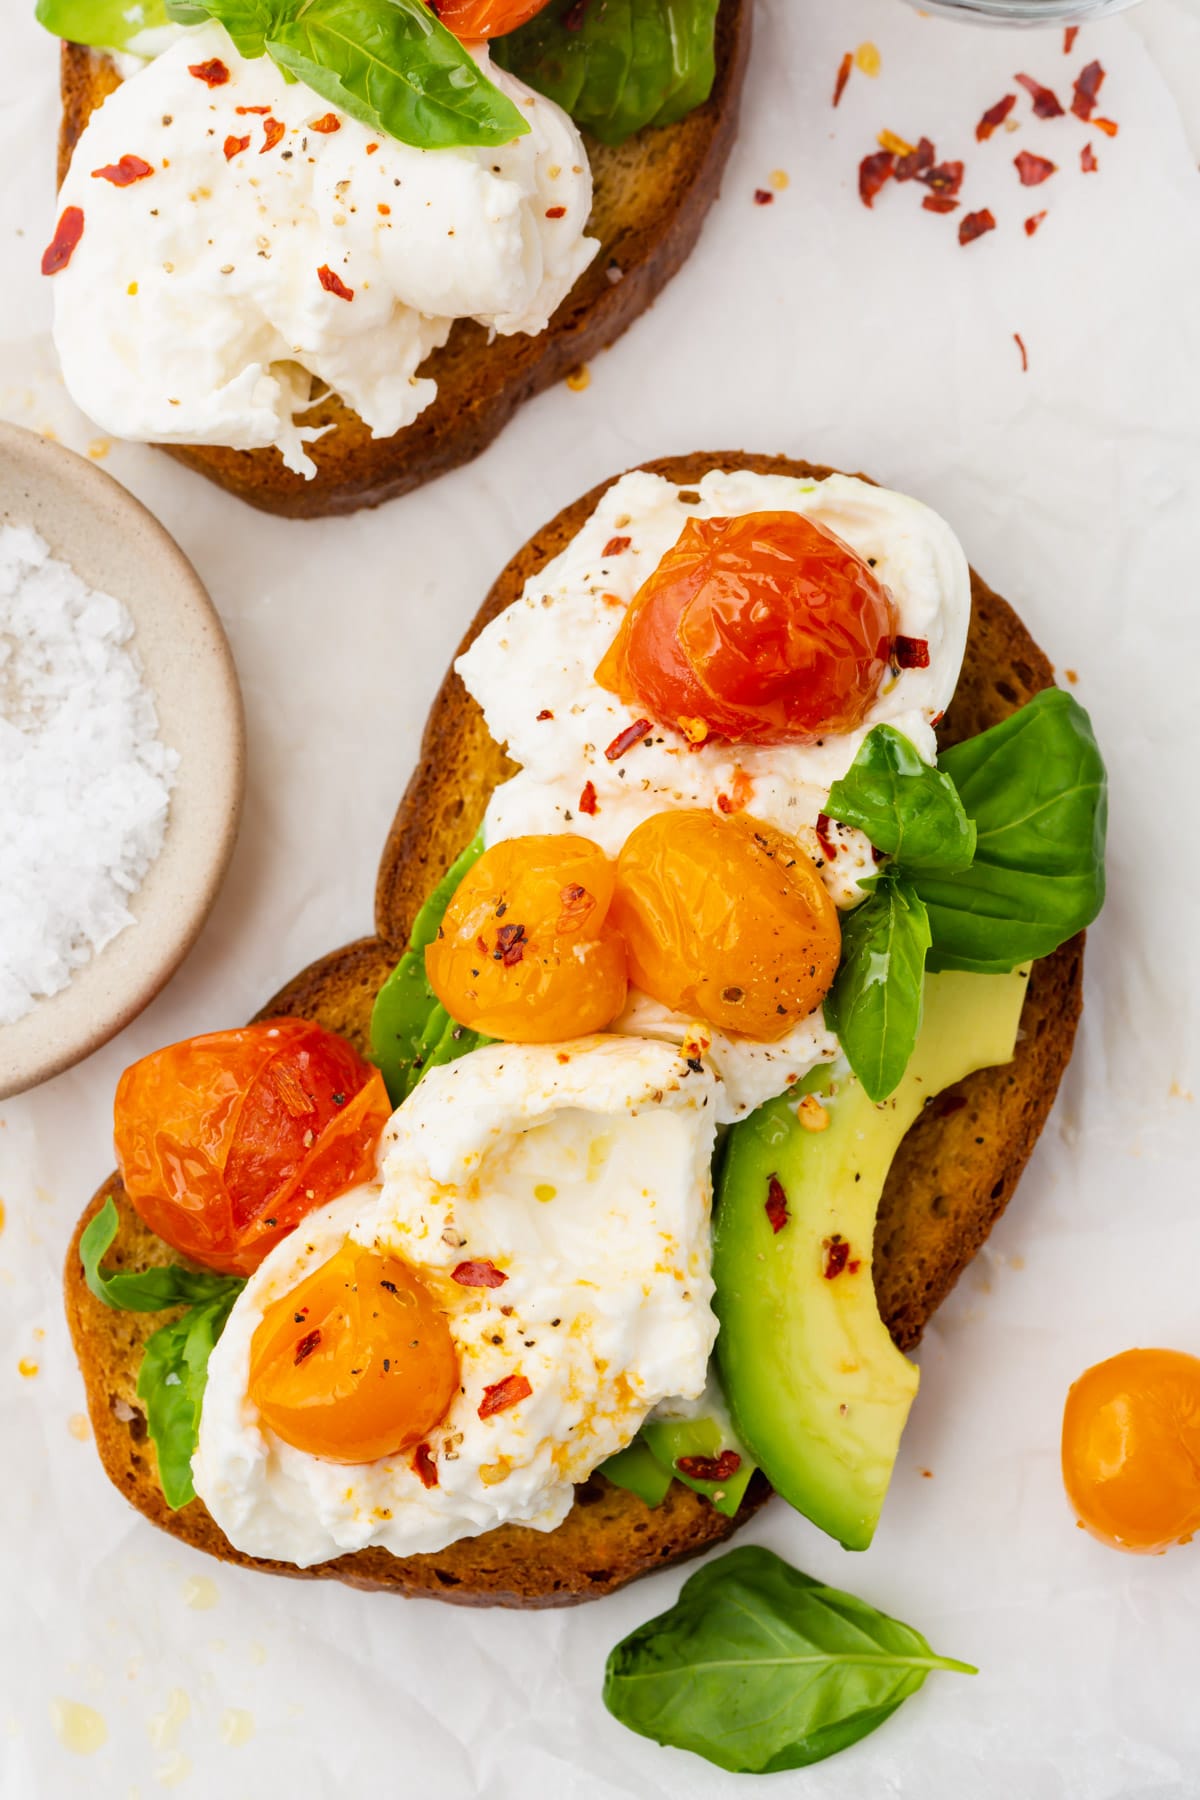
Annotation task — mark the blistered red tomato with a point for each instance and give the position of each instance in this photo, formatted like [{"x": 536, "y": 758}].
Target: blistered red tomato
[
  {"x": 726, "y": 919},
  {"x": 473, "y": 19},
  {"x": 1131, "y": 1449},
  {"x": 356, "y": 1362},
  {"x": 527, "y": 951},
  {"x": 226, "y": 1141},
  {"x": 755, "y": 630}
]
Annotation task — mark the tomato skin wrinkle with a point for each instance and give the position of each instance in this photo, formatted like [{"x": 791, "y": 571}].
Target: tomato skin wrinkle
[{"x": 1131, "y": 1450}]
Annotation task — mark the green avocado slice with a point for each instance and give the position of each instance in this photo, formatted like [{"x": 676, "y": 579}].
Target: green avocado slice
[{"x": 818, "y": 1391}]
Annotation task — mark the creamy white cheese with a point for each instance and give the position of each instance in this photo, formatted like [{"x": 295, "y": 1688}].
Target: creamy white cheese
[
  {"x": 583, "y": 1172},
  {"x": 193, "y": 311}
]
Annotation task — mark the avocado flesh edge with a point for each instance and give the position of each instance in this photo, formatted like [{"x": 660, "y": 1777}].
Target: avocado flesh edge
[{"x": 818, "y": 1391}]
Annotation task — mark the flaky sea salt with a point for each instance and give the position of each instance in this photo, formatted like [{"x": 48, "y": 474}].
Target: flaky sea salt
[{"x": 84, "y": 777}]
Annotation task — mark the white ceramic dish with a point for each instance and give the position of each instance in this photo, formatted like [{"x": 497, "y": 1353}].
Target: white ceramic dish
[{"x": 109, "y": 538}]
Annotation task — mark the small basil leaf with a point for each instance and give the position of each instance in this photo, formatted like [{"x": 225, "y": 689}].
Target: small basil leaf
[
  {"x": 759, "y": 1668},
  {"x": 248, "y": 22},
  {"x": 171, "y": 1383},
  {"x": 1036, "y": 788},
  {"x": 908, "y": 809},
  {"x": 874, "y": 1005},
  {"x": 152, "y": 1290},
  {"x": 104, "y": 24}
]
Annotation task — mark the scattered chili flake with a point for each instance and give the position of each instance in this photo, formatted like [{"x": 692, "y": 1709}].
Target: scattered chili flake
[
  {"x": 544, "y": 714},
  {"x": 273, "y": 130},
  {"x": 1088, "y": 83},
  {"x": 837, "y": 1255},
  {"x": 307, "y": 1345},
  {"x": 478, "y": 1274},
  {"x": 234, "y": 147},
  {"x": 910, "y": 652},
  {"x": 709, "y": 1468},
  {"x": 828, "y": 844},
  {"x": 811, "y": 1114},
  {"x": 333, "y": 283},
  {"x": 371, "y": 149},
  {"x": 1032, "y": 223},
  {"x": 576, "y": 904},
  {"x": 873, "y": 172},
  {"x": 625, "y": 740},
  {"x": 1087, "y": 160},
  {"x": 556, "y": 212},
  {"x": 212, "y": 73},
  {"x": 125, "y": 172},
  {"x": 326, "y": 123},
  {"x": 61, "y": 248},
  {"x": 914, "y": 163},
  {"x": 251, "y": 109},
  {"x": 945, "y": 178},
  {"x": 775, "y": 1205},
  {"x": 503, "y": 1394},
  {"x": 1109, "y": 127},
  {"x": 510, "y": 945},
  {"x": 763, "y": 197},
  {"x": 1020, "y": 343},
  {"x": 424, "y": 1466},
  {"x": 975, "y": 225},
  {"x": 940, "y": 203},
  {"x": 888, "y": 140},
  {"x": 587, "y": 800},
  {"x": 1032, "y": 169},
  {"x": 1046, "y": 103},
  {"x": 383, "y": 208},
  {"x": 843, "y": 76},
  {"x": 615, "y": 545},
  {"x": 994, "y": 117},
  {"x": 1069, "y": 36}
]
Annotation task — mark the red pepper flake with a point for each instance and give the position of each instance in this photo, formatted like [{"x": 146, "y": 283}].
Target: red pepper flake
[
  {"x": 272, "y": 132},
  {"x": 910, "y": 652},
  {"x": 326, "y": 123},
  {"x": 873, "y": 172},
  {"x": 1087, "y": 160},
  {"x": 615, "y": 545},
  {"x": 371, "y": 149},
  {"x": 709, "y": 1468},
  {"x": 914, "y": 164},
  {"x": 503, "y": 1394},
  {"x": 1032, "y": 223},
  {"x": 940, "y": 203},
  {"x": 946, "y": 178},
  {"x": 837, "y": 1255},
  {"x": 1019, "y": 341},
  {"x": 763, "y": 197},
  {"x": 61, "y": 248},
  {"x": 478, "y": 1274},
  {"x": 544, "y": 714},
  {"x": 843, "y": 76},
  {"x": 556, "y": 212},
  {"x": 1032, "y": 169},
  {"x": 994, "y": 117},
  {"x": 125, "y": 172},
  {"x": 251, "y": 109},
  {"x": 975, "y": 225},
  {"x": 333, "y": 284},
  {"x": 828, "y": 844},
  {"x": 625, "y": 740},
  {"x": 234, "y": 147},
  {"x": 510, "y": 945},
  {"x": 1069, "y": 36},
  {"x": 587, "y": 800},
  {"x": 1109, "y": 127},
  {"x": 306, "y": 1346},
  {"x": 1046, "y": 103},
  {"x": 1088, "y": 83},
  {"x": 212, "y": 73},
  {"x": 424, "y": 1467},
  {"x": 775, "y": 1206}
]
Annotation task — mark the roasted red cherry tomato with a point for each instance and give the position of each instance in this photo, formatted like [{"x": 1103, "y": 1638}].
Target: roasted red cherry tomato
[
  {"x": 755, "y": 630},
  {"x": 355, "y": 1362},
  {"x": 474, "y": 19},
  {"x": 225, "y": 1142},
  {"x": 1131, "y": 1449}
]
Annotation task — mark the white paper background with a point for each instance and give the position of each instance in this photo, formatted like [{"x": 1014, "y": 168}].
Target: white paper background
[{"x": 869, "y": 340}]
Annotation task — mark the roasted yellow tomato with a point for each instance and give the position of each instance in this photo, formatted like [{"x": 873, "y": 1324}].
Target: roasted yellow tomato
[
  {"x": 356, "y": 1362},
  {"x": 527, "y": 951},
  {"x": 1131, "y": 1449},
  {"x": 726, "y": 919}
]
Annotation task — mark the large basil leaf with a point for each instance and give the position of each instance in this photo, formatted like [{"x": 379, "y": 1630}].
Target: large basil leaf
[
  {"x": 411, "y": 1031},
  {"x": 759, "y": 1668},
  {"x": 907, "y": 808},
  {"x": 152, "y": 1290},
  {"x": 1035, "y": 786},
  {"x": 171, "y": 1382},
  {"x": 617, "y": 65},
  {"x": 874, "y": 1005},
  {"x": 248, "y": 22},
  {"x": 105, "y": 24}
]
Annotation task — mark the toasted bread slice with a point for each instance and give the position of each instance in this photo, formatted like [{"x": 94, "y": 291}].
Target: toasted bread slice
[
  {"x": 651, "y": 195},
  {"x": 950, "y": 1182}
]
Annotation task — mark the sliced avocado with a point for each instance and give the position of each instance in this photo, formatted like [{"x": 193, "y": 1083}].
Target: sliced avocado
[
  {"x": 671, "y": 1440},
  {"x": 817, "y": 1389},
  {"x": 637, "y": 1469}
]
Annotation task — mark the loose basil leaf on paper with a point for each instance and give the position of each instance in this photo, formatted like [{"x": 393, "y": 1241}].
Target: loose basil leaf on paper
[
  {"x": 171, "y": 1382},
  {"x": 909, "y": 809},
  {"x": 411, "y": 1031},
  {"x": 151, "y": 1290},
  {"x": 1035, "y": 786},
  {"x": 759, "y": 1668},
  {"x": 617, "y": 65},
  {"x": 875, "y": 1004},
  {"x": 105, "y": 24}
]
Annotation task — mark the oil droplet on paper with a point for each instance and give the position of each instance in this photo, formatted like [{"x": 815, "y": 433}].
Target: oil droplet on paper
[
  {"x": 868, "y": 59},
  {"x": 237, "y": 1726},
  {"x": 163, "y": 1727},
  {"x": 79, "y": 1427},
  {"x": 77, "y": 1727},
  {"x": 177, "y": 1768},
  {"x": 200, "y": 1593}
]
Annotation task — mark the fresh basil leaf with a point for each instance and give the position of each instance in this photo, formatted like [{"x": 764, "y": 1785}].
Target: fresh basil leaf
[
  {"x": 874, "y": 1005},
  {"x": 152, "y": 1290},
  {"x": 909, "y": 809},
  {"x": 411, "y": 1031},
  {"x": 1035, "y": 786},
  {"x": 104, "y": 24},
  {"x": 759, "y": 1668},
  {"x": 248, "y": 22},
  {"x": 617, "y": 65},
  {"x": 171, "y": 1383}
]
